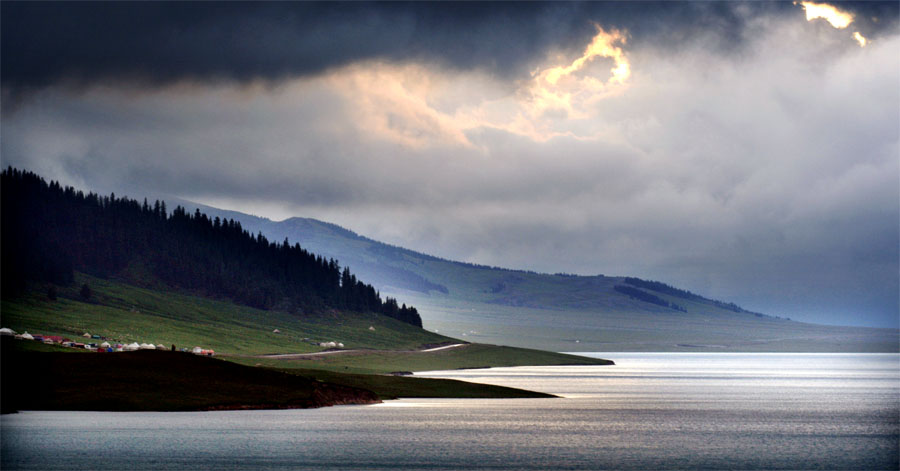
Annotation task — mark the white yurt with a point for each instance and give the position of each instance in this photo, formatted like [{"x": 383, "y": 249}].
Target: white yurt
[
  {"x": 7, "y": 331},
  {"x": 148, "y": 346},
  {"x": 27, "y": 336},
  {"x": 131, "y": 347},
  {"x": 160, "y": 347},
  {"x": 86, "y": 335},
  {"x": 105, "y": 345},
  {"x": 197, "y": 350}
]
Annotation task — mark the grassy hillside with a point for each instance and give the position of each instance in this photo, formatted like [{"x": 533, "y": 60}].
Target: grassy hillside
[
  {"x": 127, "y": 314},
  {"x": 559, "y": 312}
]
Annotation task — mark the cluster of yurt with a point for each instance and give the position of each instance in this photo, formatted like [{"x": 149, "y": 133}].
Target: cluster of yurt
[
  {"x": 331, "y": 345},
  {"x": 93, "y": 346}
]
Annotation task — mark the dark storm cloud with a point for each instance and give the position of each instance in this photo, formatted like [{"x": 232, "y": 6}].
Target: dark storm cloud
[
  {"x": 83, "y": 43},
  {"x": 44, "y": 42}
]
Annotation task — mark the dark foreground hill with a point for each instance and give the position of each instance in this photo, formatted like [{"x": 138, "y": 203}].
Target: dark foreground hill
[
  {"x": 156, "y": 381},
  {"x": 32, "y": 379}
]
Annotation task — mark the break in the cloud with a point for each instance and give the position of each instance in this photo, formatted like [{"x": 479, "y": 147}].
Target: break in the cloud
[
  {"x": 836, "y": 17},
  {"x": 757, "y": 164}
]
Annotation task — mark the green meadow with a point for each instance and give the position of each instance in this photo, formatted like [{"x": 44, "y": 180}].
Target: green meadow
[{"x": 127, "y": 313}]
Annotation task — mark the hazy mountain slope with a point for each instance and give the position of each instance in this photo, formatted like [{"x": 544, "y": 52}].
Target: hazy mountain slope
[
  {"x": 394, "y": 269},
  {"x": 557, "y": 312}
]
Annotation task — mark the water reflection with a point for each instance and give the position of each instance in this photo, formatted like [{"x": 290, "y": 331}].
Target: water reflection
[{"x": 651, "y": 411}]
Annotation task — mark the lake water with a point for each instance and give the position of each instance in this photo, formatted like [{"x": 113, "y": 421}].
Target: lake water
[{"x": 650, "y": 411}]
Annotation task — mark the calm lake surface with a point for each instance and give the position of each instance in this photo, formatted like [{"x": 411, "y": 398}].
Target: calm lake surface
[{"x": 650, "y": 411}]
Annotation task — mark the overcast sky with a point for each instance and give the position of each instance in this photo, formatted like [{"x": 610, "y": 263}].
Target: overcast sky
[{"x": 744, "y": 151}]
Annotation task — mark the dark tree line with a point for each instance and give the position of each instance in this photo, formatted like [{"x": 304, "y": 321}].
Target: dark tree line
[
  {"x": 50, "y": 231},
  {"x": 646, "y": 297}
]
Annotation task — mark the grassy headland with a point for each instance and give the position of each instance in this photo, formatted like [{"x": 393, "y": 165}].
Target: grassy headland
[{"x": 387, "y": 361}]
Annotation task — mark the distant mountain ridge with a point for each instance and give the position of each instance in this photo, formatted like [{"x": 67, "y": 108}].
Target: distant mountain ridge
[
  {"x": 395, "y": 268},
  {"x": 559, "y": 312}
]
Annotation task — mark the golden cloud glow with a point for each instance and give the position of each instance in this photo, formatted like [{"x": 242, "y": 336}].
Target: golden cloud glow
[
  {"x": 839, "y": 19},
  {"x": 392, "y": 102},
  {"x": 602, "y": 45},
  {"x": 562, "y": 89},
  {"x": 407, "y": 103}
]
